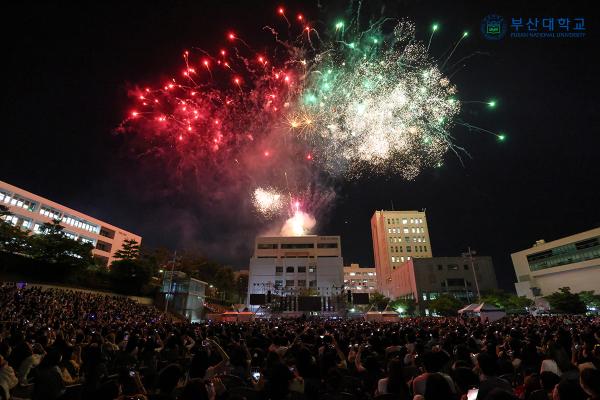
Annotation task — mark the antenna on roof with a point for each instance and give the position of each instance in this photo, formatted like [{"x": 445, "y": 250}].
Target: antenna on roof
[{"x": 392, "y": 203}]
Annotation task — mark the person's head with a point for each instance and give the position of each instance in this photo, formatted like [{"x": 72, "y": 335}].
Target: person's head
[
  {"x": 128, "y": 382},
  {"x": 486, "y": 364},
  {"x": 169, "y": 377},
  {"x": 464, "y": 378},
  {"x": 589, "y": 379},
  {"x": 568, "y": 389},
  {"x": 396, "y": 381},
  {"x": 437, "y": 387},
  {"x": 548, "y": 380},
  {"x": 433, "y": 361},
  {"x": 51, "y": 359}
]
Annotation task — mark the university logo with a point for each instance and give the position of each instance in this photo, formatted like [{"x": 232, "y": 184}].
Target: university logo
[{"x": 493, "y": 27}]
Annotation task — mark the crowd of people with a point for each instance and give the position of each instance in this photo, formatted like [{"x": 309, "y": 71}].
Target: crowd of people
[{"x": 64, "y": 344}]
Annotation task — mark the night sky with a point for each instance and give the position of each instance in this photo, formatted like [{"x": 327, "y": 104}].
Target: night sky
[{"x": 68, "y": 69}]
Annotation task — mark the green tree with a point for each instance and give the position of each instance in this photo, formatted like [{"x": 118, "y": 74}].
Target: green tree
[
  {"x": 52, "y": 246},
  {"x": 519, "y": 302},
  {"x": 590, "y": 299},
  {"x": 378, "y": 300},
  {"x": 129, "y": 251},
  {"x": 408, "y": 306},
  {"x": 446, "y": 305},
  {"x": 504, "y": 300},
  {"x": 130, "y": 276},
  {"x": 12, "y": 238},
  {"x": 566, "y": 302}
]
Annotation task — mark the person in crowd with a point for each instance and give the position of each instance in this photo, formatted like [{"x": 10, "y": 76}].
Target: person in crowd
[
  {"x": 68, "y": 342},
  {"x": 590, "y": 383},
  {"x": 486, "y": 367},
  {"x": 8, "y": 378}
]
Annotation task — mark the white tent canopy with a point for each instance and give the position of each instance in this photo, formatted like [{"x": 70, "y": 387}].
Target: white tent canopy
[{"x": 483, "y": 311}]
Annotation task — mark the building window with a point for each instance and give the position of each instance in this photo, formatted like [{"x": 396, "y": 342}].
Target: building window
[
  {"x": 278, "y": 270},
  {"x": 297, "y": 245},
  {"x": 278, "y": 283},
  {"x": 312, "y": 269},
  {"x": 408, "y": 249},
  {"x": 100, "y": 245},
  {"x": 302, "y": 282},
  {"x": 312, "y": 283},
  {"x": 389, "y": 230},
  {"x": 402, "y": 258},
  {"x": 327, "y": 245},
  {"x": 425, "y": 248},
  {"x": 301, "y": 269},
  {"x": 404, "y": 221},
  {"x": 452, "y": 267},
  {"x": 109, "y": 233},
  {"x": 406, "y": 230},
  {"x": 263, "y": 246},
  {"x": 456, "y": 282},
  {"x": 289, "y": 282},
  {"x": 289, "y": 269},
  {"x": 466, "y": 267}
]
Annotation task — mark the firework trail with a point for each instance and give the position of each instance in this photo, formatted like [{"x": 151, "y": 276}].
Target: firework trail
[{"x": 319, "y": 107}]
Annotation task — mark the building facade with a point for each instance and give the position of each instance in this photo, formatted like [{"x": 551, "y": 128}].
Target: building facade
[
  {"x": 425, "y": 279},
  {"x": 360, "y": 279},
  {"x": 296, "y": 266},
  {"x": 572, "y": 261},
  {"x": 29, "y": 211},
  {"x": 398, "y": 236}
]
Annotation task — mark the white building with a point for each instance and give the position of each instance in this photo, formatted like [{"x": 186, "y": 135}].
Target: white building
[
  {"x": 572, "y": 261},
  {"x": 296, "y": 265},
  {"x": 398, "y": 236},
  {"x": 360, "y": 279},
  {"x": 29, "y": 211}
]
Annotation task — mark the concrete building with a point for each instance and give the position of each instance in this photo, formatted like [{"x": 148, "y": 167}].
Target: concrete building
[
  {"x": 30, "y": 211},
  {"x": 398, "y": 236},
  {"x": 360, "y": 279},
  {"x": 424, "y": 279},
  {"x": 296, "y": 265},
  {"x": 572, "y": 261}
]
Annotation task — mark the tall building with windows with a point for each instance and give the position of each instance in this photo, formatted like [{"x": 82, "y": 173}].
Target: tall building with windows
[
  {"x": 29, "y": 211},
  {"x": 398, "y": 236},
  {"x": 296, "y": 265},
  {"x": 572, "y": 261},
  {"x": 360, "y": 279}
]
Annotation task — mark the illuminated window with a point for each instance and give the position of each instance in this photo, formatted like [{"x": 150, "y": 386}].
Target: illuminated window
[
  {"x": 402, "y": 258},
  {"x": 404, "y": 221},
  {"x": 405, "y": 230}
]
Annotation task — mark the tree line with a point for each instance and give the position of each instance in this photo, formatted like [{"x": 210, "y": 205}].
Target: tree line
[{"x": 54, "y": 257}]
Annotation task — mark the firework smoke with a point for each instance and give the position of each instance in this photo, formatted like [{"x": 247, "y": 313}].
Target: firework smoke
[{"x": 277, "y": 125}]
